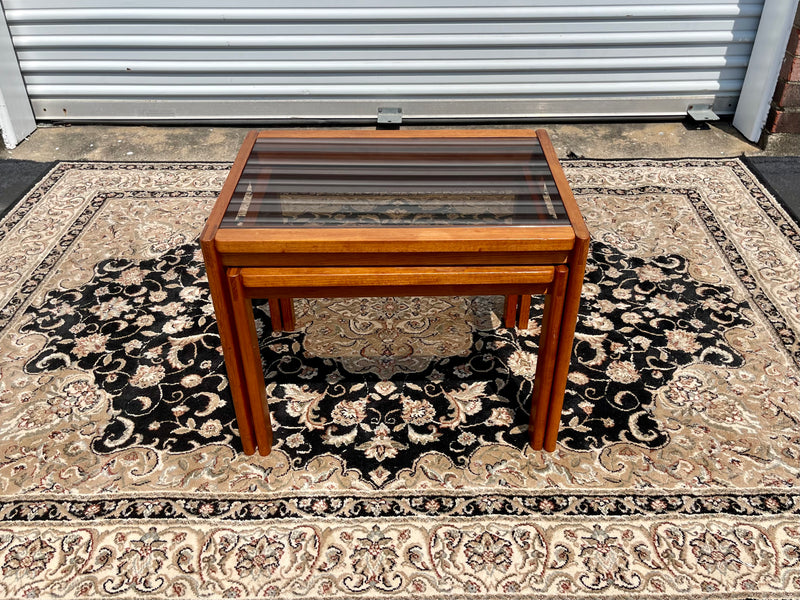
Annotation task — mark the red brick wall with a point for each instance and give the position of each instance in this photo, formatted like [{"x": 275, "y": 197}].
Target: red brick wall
[{"x": 784, "y": 115}]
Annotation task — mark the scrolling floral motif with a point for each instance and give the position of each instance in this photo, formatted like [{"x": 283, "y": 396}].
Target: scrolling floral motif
[{"x": 146, "y": 331}]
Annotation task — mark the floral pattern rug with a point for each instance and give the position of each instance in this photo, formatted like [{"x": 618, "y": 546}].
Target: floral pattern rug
[{"x": 400, "y": 465}]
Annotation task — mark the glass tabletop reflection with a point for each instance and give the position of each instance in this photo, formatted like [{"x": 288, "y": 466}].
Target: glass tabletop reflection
[{"x": 395, "y": 182}]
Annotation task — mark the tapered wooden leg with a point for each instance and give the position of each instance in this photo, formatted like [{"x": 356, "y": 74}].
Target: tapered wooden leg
[
  {"x": 524, "y": 311},
  {"x": 569, "y": 320},
  {"x": 546, "y": 360},
  {"x": 251, "y": 361},
  {"x": 510, "y": 311},
  {"x": 275, "y": 314},
  {"x": 220, "y": 295},
  {"x": 287, "y": 313}
]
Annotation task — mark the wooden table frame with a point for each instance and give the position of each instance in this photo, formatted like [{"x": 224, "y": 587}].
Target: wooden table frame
[{"x": 512, "y": 261}]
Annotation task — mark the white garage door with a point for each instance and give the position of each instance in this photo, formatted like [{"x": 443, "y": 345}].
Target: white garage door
[{"x": 91, "y": 60}]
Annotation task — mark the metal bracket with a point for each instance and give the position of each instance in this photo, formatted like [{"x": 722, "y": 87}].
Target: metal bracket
[
  {"x": 390, "y": 115},
  {"x": 702, "y": 112}
]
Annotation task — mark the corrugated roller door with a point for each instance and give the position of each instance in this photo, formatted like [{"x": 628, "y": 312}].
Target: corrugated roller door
[{"x": 198, "y": 59}]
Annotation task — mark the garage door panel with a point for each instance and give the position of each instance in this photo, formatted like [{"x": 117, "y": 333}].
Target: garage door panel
[{"x": 93, "y": 60}]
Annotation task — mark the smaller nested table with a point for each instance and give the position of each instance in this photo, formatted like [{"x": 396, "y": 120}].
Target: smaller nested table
[{"x": 334, "y": 213}]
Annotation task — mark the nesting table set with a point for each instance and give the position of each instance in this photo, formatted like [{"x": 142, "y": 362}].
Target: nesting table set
[{"x": 358, "y": 213}]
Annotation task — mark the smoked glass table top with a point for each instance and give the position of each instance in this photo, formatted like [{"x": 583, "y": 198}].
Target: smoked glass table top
[{"x": 395, "y": 182}]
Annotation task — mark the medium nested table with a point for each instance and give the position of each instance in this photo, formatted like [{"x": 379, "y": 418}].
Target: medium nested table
[{"x": 336, "y": 213}]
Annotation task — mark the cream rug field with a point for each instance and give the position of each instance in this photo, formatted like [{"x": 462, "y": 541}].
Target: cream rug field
[{"x": 400, "y": 467}]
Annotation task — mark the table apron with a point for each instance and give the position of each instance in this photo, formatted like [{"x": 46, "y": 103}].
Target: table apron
[
  {"x": 335, "y": 259},
  {"x": 280, "y": 282}
]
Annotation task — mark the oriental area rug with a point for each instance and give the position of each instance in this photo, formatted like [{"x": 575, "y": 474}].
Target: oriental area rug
[{"x": 400, "y": 467}]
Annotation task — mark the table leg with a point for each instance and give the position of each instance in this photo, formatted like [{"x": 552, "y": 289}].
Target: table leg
[
  {"x": 517, "y": 311},
  {"x": 524, "y": 310},
  {"x": 569, "y": 321},
  {"x": 546, "y": 360},
  {"x": 510, "y": 311},
  {"x": 220, "y": 294},
  {"x": 275, "y": 314},
  {"x": 287, "y": 313},
  {"x": 251, "y": 361},
  {"x": 281, "y": 312}
]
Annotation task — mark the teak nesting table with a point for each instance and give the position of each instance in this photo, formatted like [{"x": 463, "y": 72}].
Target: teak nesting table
[{"x": 334, "y": 213}]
